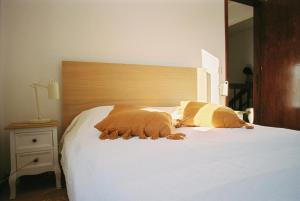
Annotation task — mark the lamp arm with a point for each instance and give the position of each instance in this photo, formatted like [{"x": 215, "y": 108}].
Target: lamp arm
[
  {"x": 39, "y": 85},
  {"x": 37, "y": 103},
  {"x": 37, "y": 100}
]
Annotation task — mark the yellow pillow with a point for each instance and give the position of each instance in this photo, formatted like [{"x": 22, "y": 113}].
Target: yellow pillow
[
  {"x": 209, "y": 115},
  {"x": 128, "y": 121}
]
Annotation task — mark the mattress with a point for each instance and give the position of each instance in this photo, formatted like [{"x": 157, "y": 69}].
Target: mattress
[{"x": 209, "y": 165}]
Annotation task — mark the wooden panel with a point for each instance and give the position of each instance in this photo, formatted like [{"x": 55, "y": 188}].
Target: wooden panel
[
  {"x": 23, "y": 125},
  {"x": 88, "y": 84},
  {"x": 257, "y": 64},
  {"x": 277, "y": 63}
]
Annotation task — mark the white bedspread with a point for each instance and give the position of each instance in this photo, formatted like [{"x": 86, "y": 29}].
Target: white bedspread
[{"x": 209, "y": 165}]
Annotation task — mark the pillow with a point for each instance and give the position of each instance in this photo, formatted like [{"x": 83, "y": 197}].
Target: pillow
[
  {"x": 130, "y": 120},
  {"x": 209, "y": 115}
]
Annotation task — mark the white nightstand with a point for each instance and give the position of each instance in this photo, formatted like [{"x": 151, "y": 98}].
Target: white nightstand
[{"x": 33, "y": 150}]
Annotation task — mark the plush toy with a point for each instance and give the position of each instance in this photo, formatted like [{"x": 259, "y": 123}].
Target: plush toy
[
  {"x": 128, "y": 121},
  {"x": 209, "y": 115}
]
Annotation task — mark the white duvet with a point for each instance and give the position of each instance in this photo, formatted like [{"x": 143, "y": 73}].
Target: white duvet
[{"x": 209, "y": 165}]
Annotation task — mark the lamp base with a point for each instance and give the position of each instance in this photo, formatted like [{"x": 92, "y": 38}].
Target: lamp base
[{"x": 39, "y": 121}]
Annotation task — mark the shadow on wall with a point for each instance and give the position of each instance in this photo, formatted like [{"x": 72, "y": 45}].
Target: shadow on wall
[{"x": 4, "y": 155}]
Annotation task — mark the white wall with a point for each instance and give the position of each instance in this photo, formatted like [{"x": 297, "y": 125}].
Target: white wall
[
  {"x": 1, "y": 69},
  {"x": 240, "y": 46},
  {"x": 1, "y": 72},
  {"x": 3, "y": 138},
  {"x": 1, "y": 95},
  {"x": 238, "y": 12},
  {"x": 38, "y": 35}
]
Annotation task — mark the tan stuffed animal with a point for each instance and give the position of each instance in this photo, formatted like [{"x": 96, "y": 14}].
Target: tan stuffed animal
[
  {"x": 127, "y": 121},
  {"x": 209, "y": 115}
]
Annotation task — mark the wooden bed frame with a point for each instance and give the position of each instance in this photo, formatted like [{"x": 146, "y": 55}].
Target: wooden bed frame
[{"x": 88, "y": 84}]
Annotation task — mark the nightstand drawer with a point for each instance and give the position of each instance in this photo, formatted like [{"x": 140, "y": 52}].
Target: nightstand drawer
[
  {"x": 32, "y": 141},
  {"x": 34, "y": 160}
]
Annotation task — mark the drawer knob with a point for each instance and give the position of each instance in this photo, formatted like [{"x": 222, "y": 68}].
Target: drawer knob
[
  {"x": 34, "y": 140},
  {"x": 36, "y": 160}
]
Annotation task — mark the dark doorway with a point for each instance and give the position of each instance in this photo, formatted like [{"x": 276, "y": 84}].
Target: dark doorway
[
  {"x": 276, "y": 68},
  {"x": 240, "y": 55}
]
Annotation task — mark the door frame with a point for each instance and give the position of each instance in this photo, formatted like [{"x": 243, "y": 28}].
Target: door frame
[
  {"x": 226, "y": 45},
  {"x": 256, "y": 53}
]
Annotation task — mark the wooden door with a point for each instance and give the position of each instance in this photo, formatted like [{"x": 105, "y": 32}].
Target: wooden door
[{"x": 277, "y": 63}]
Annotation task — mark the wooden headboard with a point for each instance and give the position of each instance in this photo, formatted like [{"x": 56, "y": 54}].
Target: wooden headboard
[{"x": 87, "y": 84}]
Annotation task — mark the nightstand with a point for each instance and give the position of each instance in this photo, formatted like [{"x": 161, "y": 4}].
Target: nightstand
[{"x": 33, "y": 150}]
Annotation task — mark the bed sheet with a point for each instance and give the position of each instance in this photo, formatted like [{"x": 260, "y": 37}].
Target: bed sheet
[{"x": 209, "y": 165}]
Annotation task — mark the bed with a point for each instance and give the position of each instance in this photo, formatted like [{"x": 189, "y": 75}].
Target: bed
[{"x": 210, "y": 164}]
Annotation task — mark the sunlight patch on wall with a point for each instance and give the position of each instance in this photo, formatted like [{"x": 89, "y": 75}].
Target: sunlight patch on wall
[
  {"x": 296, "y": 87},
  {"x": 211, "y": 64}
]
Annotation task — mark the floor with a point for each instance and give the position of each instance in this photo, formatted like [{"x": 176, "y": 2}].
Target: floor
[{"x": 35, "y": 188}]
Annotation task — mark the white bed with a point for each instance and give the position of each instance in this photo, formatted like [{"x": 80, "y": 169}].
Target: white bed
[{"x": 210, "y": 164}]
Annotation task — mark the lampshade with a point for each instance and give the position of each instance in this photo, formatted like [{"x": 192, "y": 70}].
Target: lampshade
[{"x": 53, "y": 90}]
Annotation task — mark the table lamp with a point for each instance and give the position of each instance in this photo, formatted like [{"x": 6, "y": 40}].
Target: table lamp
[{"x": 53, "y": 93}]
